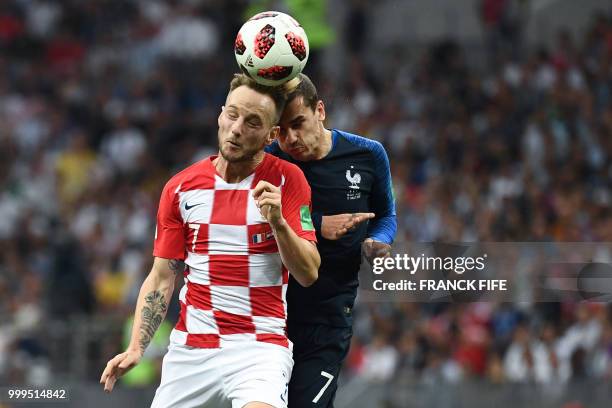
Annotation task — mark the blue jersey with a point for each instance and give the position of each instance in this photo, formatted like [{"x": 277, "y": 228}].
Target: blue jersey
[{"x": 353, "y": 177}]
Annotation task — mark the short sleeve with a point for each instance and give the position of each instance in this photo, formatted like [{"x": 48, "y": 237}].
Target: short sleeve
[
  {"x": 169, "y": 233},
  {"x": 296, "y": 202}
]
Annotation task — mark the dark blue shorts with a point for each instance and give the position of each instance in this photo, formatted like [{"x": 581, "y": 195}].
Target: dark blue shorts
[{"x": 318, "y": 353}]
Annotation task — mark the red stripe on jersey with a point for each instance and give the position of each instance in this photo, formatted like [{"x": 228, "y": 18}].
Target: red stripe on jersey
[
  {"x": 229, "y": 270},
  {"x": 180, "y": 324},
  {"x": 261, "y": 239},
  {"x": 198, "y": 296},
  {"x": 203, "y": 340},
  {"x": 197, "y": 237},
  {"x": 273, "y": 338},
  {"x": 230, "y": 207},
  {"x": 200, "y": 176},
  {"x": 267, "y": 301},
  {"x": 269, "y": 171},
  {"x": 230, "y": 323},
  {"x": 285, "y": 273}
]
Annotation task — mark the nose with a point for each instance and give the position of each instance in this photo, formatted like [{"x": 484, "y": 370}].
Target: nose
[
  {"x": 236, "y": 127},
  {"x": 291, "y": 137}
]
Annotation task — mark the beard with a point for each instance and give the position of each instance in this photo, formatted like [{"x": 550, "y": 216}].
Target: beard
[{"x": 243, "y": 155}]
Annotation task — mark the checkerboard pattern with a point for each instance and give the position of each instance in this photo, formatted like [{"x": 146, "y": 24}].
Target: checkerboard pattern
[{"x": 235, "y": 285}]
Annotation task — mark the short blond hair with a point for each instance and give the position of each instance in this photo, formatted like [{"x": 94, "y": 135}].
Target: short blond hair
[{"x": 275, "y": 92}]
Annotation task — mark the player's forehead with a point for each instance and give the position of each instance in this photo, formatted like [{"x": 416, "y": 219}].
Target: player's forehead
[
  {"x": 250, "y": 102},
  {"x": 295, "y": 109}
]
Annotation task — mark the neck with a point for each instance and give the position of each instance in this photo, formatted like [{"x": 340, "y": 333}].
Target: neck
[
  {"x": 235, "y": 172},
  {"x": 324, "y": 145}
]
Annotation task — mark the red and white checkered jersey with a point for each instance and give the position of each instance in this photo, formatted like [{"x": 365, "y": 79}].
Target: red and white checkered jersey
[{"x": 235, "y": 283}]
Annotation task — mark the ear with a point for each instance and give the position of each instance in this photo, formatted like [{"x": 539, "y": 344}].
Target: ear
[
  {"x": 320, "y": 110},
  {"x": 274, "y": 132},
  {"x": 220, "y": 113}
]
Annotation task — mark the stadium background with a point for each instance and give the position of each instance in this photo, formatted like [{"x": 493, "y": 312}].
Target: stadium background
[{"x": 497, "y": 117}]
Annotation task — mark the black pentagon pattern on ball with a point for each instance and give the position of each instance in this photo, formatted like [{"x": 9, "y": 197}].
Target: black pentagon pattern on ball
[
  {"x": 239, "y": 46},
  {"x": 264, "y": 40},
  {"x": 263, "y": 15},
  {"x": 275, "y": 73},
  {"x": 297, "y": 45}
]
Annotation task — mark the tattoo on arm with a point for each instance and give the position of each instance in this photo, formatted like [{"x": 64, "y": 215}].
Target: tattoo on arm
[
  {"x": 177, "y": 266},
  {"x": 153, "y": 314}
]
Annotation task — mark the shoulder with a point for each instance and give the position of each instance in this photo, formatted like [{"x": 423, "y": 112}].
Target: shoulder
[
  {"x": 281, "y": 172},
  {"x": 284, "y": 166},
  {"x": 273, "y": 148},
  {"x": 360, "y": 141},
  {"x": 197, "y": 175}
]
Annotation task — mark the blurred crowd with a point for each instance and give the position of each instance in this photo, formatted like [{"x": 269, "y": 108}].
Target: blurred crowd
[
  {"x": 517, "y": 151},
  {"x": 550, "y": 344},
  {"x": 102, "y": 101}
]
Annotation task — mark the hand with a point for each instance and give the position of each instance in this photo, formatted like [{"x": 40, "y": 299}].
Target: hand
[
  {"x": 335, "y": 226},
  {"x": 268, "y": 200},
  {"x": 117, "y": 366},
  {"x": 373, "y": 249}
]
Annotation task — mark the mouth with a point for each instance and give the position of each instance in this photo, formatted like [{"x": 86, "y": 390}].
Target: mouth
[
  {"x": 232, "y": 144},
  {"x": 298, "y": 149}
]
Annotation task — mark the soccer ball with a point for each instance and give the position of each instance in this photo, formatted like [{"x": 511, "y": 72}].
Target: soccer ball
[{"x": 271, "y": 48}]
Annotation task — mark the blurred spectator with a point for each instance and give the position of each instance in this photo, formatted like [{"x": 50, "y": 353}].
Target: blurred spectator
[
  {"x": 68, "y": 284},
  {"x": 503, "y": 21},
  {"x": 602, "y": 357},
  {"x": 581, "y": 338},
  {"x": 356, "y": 34},
  {"x": 73, "y": 168},
  {"x": 379, "y": 361},
  {"x": 187, "y": 35},
  {"x": 124, "y": 147},
  {"x": 529, "y": 360}
]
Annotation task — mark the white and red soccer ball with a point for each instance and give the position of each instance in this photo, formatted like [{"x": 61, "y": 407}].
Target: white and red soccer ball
[{"x": 271, "y": 47}]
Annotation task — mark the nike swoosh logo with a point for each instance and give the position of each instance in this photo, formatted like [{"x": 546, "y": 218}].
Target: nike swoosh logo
[{"x": 189, "y": 207}]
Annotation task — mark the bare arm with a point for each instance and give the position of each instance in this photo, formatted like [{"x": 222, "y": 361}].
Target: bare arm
[
  {"x": 151, "y": 307},
  {"x": 153, "y": 300},
  {"x": 299, "y": 255}
]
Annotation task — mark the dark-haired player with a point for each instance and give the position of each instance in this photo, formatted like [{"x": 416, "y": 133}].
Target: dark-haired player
[{"x": 351, "y": 183}]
